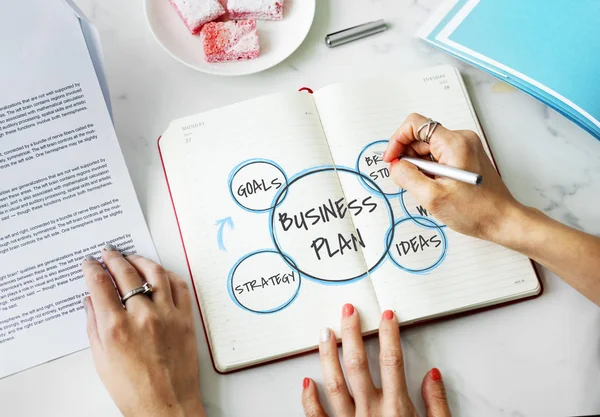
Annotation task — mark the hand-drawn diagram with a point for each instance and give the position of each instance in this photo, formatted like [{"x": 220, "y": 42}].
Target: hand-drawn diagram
[{"x": 326, "y": 232}]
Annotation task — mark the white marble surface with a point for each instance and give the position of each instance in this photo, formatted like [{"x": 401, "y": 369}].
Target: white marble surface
[{"x": 538, "y": 358}]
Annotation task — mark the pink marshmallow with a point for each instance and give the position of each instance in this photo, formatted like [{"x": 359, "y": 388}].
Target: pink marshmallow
[
  {"x": 196, "y": 13},
  {"x": 230, "y": 41},
  {"x": 255, "y": 9}
]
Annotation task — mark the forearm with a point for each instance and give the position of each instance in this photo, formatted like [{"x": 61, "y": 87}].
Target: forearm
[
  {"x": 192, "y": 408},
  {"x": 573, "y": 255}
]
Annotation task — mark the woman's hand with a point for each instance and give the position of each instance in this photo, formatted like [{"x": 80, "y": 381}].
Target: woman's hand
[
  {"x": 489, "y": 211},
  {"x": 481, "y": 211},
  {"x": 146, "y": 354},
  {"x": 392, "y": 399}
]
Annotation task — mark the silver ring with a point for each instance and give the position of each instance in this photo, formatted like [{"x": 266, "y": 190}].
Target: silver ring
[
  {"x": 143, "y": 290},
  {"x": 431, "y": 125}
]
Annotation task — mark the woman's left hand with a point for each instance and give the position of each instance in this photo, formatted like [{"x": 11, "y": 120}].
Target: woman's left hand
[
  {"x": 145, "y": 354},
  {"x": 367, "y": 400}
]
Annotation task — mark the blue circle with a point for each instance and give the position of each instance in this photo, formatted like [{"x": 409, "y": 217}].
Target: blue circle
[
  {"x": 403, "y": 205},
  {"x": 287, "y": 260},
  {"x": 378, "y": 192},
  {"x": 244, "y": 164},
  {"x": 313, "y": 171},
  {"x": 437, "y": 263}
]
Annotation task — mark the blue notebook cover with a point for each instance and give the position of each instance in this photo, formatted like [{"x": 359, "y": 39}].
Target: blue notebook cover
[{"x": 549, "y": 49}]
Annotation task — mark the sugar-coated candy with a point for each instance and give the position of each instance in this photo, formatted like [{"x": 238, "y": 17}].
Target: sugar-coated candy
[
  {"x": 230, "y": 41},
  {"x": 255, "y": 9},
  {"x": 196, "y": 13}
]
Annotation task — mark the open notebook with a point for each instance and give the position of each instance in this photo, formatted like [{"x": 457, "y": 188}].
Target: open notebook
[{"x": 286, "y": 213}]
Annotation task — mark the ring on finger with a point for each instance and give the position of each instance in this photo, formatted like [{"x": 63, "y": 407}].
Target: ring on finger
[
  {"x": 145, "y": 289},
  {"x": 431, "y": 125}
]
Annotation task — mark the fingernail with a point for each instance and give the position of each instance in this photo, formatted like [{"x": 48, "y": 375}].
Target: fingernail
[
  {"x": 347, "y": 310},
  {"x": 325, "y": 335},
  {"x": 109, "y": 247},
  {"x": 85, "y": 301},
  {"x": 305, "y": 383},
  {"x": 384, "y": 154},
  {"x": 388, "y": 315},
  {"x": 393, "y": 162},
  {"x": 436, "y": 375},
  {"x": 89, "y": 258}
]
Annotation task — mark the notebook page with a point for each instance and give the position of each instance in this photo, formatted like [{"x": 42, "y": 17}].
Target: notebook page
[
  {"x": 260, "y": 226},
  {"x": 429, "y": 269}
]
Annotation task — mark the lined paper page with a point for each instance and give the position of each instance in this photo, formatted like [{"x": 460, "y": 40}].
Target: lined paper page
[
  {"x": 429, "y": 270},
  {"x": 247, "y": 195}
]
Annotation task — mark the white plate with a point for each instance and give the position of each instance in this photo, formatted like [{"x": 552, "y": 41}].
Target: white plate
[{"x": 278, "y": 39}]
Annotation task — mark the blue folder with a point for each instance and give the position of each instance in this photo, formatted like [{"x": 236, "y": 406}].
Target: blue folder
[{"x": 550, "y": 49}]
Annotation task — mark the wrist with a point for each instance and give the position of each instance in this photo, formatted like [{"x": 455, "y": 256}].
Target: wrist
[
  {"x": 511, "y": 230},
  {"x": 193, "y": 409}
]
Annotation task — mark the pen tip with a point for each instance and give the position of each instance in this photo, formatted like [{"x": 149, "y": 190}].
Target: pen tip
[{"x": 479, "y": 180}]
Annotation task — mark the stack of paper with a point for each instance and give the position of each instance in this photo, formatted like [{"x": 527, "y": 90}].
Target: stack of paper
[
  {"x": 92, "y": 40},
  {"x": 64, "y": 187},
  {"x": 549, "y": 49}
]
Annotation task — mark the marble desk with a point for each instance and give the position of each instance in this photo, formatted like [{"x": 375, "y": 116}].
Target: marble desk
[{"x": 537, "y": 358}]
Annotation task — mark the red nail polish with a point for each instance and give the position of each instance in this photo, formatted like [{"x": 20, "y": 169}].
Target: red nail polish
[
  {"x": 393, "y": 162},
  {"x": 347, "y": 310},
  {"x": 388, "y": 315},
  {"x": 305, "y": 383},
  {"x": 436, "y": 375}
]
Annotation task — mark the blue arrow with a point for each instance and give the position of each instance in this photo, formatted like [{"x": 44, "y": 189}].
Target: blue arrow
[{"x": 221, "y": 223}]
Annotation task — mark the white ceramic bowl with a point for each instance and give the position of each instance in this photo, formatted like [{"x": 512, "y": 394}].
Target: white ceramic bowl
[{"x": 278, "y": 39}]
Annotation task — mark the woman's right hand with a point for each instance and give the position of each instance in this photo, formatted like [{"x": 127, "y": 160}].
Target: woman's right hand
[
  {"x": 392, "y": 398},
  {"x": 480, "y": 211}
]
